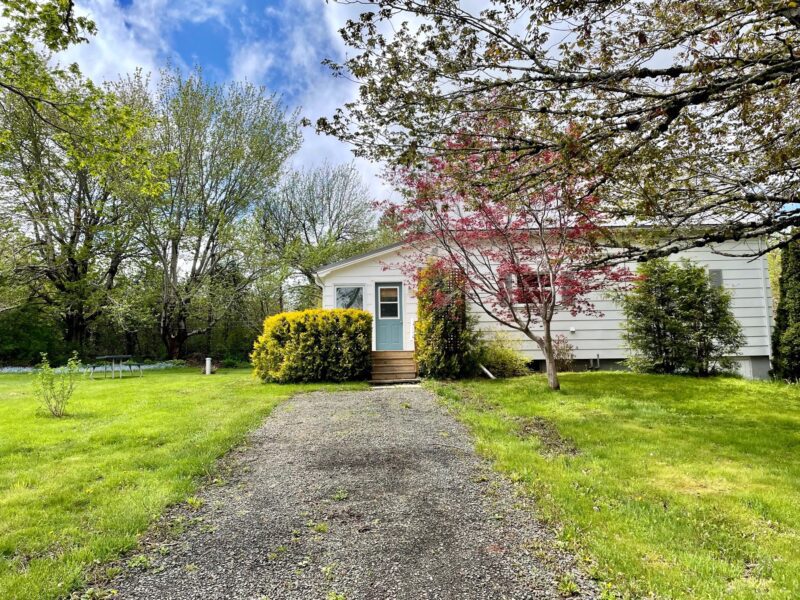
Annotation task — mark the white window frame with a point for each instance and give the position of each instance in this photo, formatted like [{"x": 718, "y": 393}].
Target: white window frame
[
  {"x": 718, "y": 273},
  {"x": 363, "y": 294},
  {"x": 380, "y": 308},
  {"x": 515, "y": 283}
]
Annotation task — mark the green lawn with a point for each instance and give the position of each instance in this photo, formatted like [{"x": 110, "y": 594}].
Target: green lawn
[
  {"x": 669, "y": 486},
  {"x": 80, "y": 489}
]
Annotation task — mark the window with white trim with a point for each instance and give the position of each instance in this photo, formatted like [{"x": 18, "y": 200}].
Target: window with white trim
[
  {"x": 389, "y": 302},
  {"x": 527, "y": 288},
  {"x": 350, "y": 297}
]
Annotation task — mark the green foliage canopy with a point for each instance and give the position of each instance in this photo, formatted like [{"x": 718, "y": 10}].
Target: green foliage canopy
[
  {"x": 68, "y": 180},
  {"x": 313, "y": 218},
  {"x": 679, "y": 112},
  {"x": 224, "y": 147}
]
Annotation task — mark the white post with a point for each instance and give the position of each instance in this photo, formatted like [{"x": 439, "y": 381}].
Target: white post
[{"x": 208, "y": 366}]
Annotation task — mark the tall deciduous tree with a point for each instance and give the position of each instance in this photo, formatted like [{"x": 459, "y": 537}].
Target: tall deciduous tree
[
  {"x": 317, "y": 217},
  {"x": 67, "y": 181},
  {"x": 684, "y": 114},
  {"x": 12, "y": 292},
  {"x": 227, "y": 145},
  {"x": 523, "y": 255}
]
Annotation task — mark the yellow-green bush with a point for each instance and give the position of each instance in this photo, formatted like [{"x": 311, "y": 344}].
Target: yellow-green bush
[
  {"x": 446, "y": 344},
  {"x": 502, "y": 360},
  {"x": 314, "y": 345}
]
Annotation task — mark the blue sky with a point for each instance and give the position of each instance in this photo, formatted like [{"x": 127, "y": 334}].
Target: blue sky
[{"x": 277, "y": 43}]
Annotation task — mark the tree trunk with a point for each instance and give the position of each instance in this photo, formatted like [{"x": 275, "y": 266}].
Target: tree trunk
[
  {"x": 174, "y": 332},
  {"x": 76, "y": 327},
  {"x": 174, "y": 341},
  {"x": 131, "y": 342},
  {"x": 550, "y": 359}
]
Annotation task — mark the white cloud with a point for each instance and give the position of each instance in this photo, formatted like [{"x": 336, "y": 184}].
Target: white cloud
[
  {"x": 137, "y": 36},
  {"x": 319, "y": 92},
  {"x": 301, "y": 34},
  {"x": 123, "y": 42},
  {"x": 251, "y": 62}
]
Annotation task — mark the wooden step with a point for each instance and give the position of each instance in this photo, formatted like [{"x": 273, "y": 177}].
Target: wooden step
[
  {"x": 393, "y": 359},
  {"x": 393, "y": 376},
  {"x": 379, "y": 382},
  {"x": 394, "y": 367},
  {"x": 390, "y": 369},
  {"x": 396, "y": 364},
  {"x": 392, "y": 354}
]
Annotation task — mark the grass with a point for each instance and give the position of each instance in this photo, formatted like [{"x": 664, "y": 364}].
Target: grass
[
  {"x": 670, "y": 487},
  {"x": 76, "y": 492}
]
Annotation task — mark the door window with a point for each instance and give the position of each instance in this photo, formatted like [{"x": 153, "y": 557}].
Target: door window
[{"x": 389, "y": 303}]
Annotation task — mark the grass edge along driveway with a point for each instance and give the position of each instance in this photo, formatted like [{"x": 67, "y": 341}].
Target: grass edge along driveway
[
  {"x": 670, "y": 487},
  {"x": 78, "y": 491}
]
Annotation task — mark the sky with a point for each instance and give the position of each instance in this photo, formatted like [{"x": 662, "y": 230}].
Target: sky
[{"x": 277, "y": 43}]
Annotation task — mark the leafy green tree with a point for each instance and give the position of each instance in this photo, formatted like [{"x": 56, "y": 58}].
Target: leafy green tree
[
  {"x": 67, "y": 182},
  {"x": 28, "y": 28},
  {"x": 786, "y": 335},
  {"x": 314, "y": 218},
  {"x": 678, "y": 112},
  {"x": 12, "y": 293},
  {"x": 26, "y": 332},
  {"x": 678, "y": 322},
  {"x": 226, "y": 146}
]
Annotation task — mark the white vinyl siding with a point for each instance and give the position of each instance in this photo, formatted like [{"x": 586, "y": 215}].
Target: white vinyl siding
[
  {"x": 743, "y": 276},
  {"x": 366, "y": 273}
]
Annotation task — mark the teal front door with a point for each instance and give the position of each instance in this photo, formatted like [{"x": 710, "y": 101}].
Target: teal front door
[{"x": 388, "y": 316}]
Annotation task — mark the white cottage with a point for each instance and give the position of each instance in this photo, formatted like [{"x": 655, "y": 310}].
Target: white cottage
[{"x": 375, "y": 282}]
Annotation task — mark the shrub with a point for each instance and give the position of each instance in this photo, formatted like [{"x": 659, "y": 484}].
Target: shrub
[
  {"x": 563, "y": 353},
  {"x": 678, "y": 322},
  {"x": 26, "y": 332},
  {"x": 446, "y": 344},
  {"x": 314, "y": 345},
  {"x": 502, "y": 359},
  {"x": 790, "y": 352},
  {"x": 229, "y": 363},
  {"x": 786, "y": 365},
  {"x": 55, "y": 387}
]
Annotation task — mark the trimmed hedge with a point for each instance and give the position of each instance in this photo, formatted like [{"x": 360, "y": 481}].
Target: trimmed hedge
[{"x": 314, "y": 345}]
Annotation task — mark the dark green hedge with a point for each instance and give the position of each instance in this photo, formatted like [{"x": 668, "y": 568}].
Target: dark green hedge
[{"x": 786, "y": 335}]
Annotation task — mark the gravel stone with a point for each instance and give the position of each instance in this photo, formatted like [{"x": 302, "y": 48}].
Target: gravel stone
[{"x": 351, "y": 495}]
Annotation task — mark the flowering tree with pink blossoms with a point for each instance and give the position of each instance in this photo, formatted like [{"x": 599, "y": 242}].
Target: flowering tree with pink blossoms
[{"x": 523, "y": 255}]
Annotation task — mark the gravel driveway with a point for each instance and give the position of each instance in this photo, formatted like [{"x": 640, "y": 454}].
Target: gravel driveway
[{"x": 350, "y": 495}]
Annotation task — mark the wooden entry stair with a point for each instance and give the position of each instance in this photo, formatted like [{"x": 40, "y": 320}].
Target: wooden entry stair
[{"x": 393, "y": 366}]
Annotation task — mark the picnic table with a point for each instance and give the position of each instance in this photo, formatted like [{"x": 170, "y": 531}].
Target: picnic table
[{"x": 116, "y": 360}]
